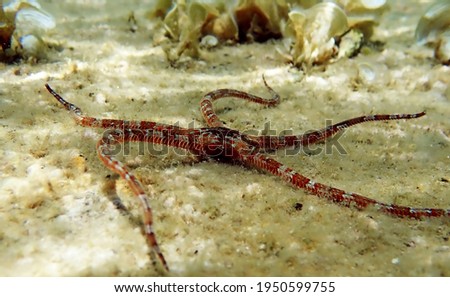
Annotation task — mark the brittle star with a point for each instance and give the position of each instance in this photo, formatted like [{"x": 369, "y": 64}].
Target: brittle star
[{"x": 217, "y": 142}]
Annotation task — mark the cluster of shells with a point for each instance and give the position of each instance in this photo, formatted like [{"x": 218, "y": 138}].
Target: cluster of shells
[
  {"x": 434, "y": 28},
  {"x": 313, "y": 32},
  {"x": 21, "y": 25}
]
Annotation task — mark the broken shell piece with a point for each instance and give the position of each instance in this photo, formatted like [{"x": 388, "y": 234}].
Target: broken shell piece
[
  {"x": 435, "y": 21},
  {"x": 372, "y": 75},
  {"x": 314, "y": 30},
  {"x": 366, "y": 73},
  {"x": 209, "y": 41}
]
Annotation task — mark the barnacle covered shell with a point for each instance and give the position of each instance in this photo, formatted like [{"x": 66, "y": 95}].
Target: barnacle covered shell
[
  {"x": 314, "y": 30},
  {"x": 434, "y": 28}
]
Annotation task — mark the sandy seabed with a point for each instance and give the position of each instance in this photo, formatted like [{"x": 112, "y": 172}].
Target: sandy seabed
[{"x": 56, "y": 215}]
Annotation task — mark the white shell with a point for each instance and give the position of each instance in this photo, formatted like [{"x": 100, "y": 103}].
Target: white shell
[
  {"x": 209, "y": 41},
  {"x": 31, "y": 45},
  {"x": 366, "y": 73},
  {"x": 31, "y": 19}
]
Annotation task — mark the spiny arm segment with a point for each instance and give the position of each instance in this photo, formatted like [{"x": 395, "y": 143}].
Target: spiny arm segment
[
  {"x": 341, "y": 197},
  {"x": 87, "y": 121},
  {"x": 270, "y": 142},
  {"x": 103, "y": 151},
  {"x": 206, "y": 104}
]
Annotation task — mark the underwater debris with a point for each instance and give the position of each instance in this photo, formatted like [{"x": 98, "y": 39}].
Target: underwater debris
[
  {"x": 311, "y": 29},
  {"x": 434, "y": 28},
  {"x": 21, "y": 25}
]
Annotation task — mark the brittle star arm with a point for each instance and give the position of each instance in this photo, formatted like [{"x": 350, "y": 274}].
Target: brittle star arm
[
  {"x": 165, "y": 135},
  {"x": 206, "y": 104},
  {"x": 269, "y": 142},
  {"x": 133, "y": 131},
  {"x": 272, "y": 142},
  {"x": 348, "y": 199},
  {"x": 104, "y": 153}
]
